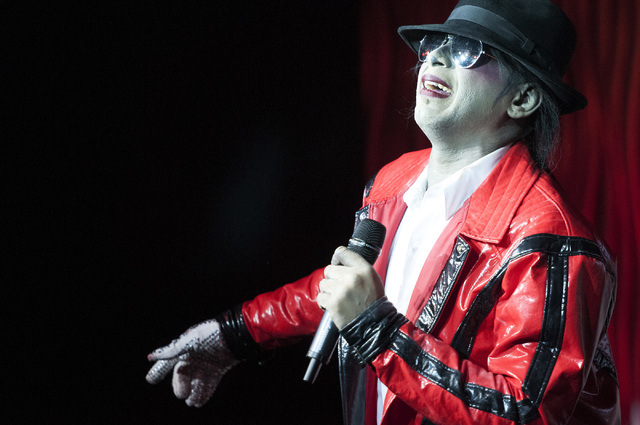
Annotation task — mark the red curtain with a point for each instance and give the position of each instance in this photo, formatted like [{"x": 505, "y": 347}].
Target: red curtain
[{"x": 599, "y": 166}]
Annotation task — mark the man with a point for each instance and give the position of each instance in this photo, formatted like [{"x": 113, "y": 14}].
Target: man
[{"x": 491, "y": 297}]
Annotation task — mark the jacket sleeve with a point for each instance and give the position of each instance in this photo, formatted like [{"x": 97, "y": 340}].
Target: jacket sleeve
[
  {"x": 539, "y": 340},
  {"x": 284, "y": 315}
]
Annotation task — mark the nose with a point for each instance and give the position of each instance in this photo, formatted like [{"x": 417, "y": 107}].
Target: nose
[{"x": 440, "y": 56}]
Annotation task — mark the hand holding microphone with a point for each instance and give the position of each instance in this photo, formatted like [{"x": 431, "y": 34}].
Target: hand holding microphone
[{"x": 349, "y": 287}]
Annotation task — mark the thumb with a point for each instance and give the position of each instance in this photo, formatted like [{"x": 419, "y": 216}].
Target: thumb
[{"x": 344, "y": 257}]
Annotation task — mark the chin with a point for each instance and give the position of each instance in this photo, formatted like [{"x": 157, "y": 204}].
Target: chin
[{"x": 424, "y": 117}]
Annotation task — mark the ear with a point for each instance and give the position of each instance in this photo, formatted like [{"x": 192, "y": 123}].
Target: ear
[{"x": 525, "y": 101}]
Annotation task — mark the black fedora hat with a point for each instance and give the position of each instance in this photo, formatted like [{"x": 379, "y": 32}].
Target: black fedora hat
[{"x": 535, "y": 32}]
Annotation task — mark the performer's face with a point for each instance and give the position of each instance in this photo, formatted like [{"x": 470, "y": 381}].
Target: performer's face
[{"x": 460, "y": 100}]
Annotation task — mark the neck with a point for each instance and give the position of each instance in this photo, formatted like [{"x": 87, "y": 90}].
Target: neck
[
  {"x": 443, "y": 162},
  {"x": 452, "y": 152}
]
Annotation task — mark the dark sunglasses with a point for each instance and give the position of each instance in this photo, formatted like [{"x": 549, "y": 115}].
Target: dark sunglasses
[{"x": 465, "y": 52}]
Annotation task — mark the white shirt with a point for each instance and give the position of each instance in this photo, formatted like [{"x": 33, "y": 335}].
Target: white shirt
[{"x": 429, "y": 210}]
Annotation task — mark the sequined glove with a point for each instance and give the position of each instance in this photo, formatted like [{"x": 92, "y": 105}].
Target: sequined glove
[{"x": 199, "y": 359}]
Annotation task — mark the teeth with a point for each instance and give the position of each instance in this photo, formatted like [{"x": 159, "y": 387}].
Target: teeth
[{"x": 432, "y": 85}]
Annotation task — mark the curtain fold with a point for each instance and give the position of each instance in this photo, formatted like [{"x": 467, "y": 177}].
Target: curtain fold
[{"x": 599, "y": 165}]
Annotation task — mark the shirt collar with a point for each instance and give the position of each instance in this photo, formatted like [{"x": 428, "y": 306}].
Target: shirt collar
[{"x": 458, "y": 187}]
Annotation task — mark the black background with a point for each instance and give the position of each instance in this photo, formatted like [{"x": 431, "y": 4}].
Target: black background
[{"x": 164, "y": 161}]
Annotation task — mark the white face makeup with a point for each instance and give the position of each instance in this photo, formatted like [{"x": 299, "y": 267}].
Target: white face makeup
[{"x": 458, "y": 100}]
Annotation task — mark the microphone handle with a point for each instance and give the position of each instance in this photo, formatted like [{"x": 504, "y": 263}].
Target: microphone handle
[
  {"x": 367, "y": 241},
  {"x": 322, "y": 347}
]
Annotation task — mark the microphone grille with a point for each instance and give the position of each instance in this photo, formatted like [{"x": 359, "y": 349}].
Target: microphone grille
[
  {"x": 371, "y": 231},
  {"x": 367, "y": 239}
]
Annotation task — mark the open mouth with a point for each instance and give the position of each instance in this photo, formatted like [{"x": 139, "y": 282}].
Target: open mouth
[{"x": 436, "y": 87}]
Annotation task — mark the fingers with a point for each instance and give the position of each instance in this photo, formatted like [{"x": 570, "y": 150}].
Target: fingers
[
  {"x": 338, "y": 279},
  {"x": 166, "y": 358},
  {"x": 167, "y": 352},
  {"x": 201, "y": 390},
  {"x": 346, "y": 264},
  {"x": 194, "y": 381},
  {"x": 342, "y": 256},
  {"x": 181, "y": 381},
  {"x": 349, "y": 286},
  {"x": 351, "y": 272},
  {"x": 159, "y": 370},
  {"x": 198, "y": 358},
  {"x": 323, "y": 297}
]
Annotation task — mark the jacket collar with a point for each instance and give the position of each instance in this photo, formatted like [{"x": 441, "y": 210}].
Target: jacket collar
[
  {"x": 491, "y": 208},
  {"x": 493, "y": 205}
]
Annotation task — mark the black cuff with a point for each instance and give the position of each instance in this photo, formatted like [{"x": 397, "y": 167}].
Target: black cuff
[
  {"x": 237, "y": 336},
  {"x": 372, "y": 331}
]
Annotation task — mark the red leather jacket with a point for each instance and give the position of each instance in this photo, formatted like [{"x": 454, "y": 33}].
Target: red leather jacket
[{"x": 507, "y": 323}]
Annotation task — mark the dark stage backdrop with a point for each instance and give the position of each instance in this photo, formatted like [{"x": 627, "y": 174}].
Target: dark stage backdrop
[
  {"x": 599, "y": 166},
  {"x": 165, "y": 160}
]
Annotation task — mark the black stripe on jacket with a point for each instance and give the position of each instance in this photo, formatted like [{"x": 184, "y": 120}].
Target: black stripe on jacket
[{"x": 558, "y": 249}]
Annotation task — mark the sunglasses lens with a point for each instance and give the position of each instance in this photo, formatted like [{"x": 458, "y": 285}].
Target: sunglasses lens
[
  {"x": 465, "y": 52},
  {"x": 429, "y": 43}
]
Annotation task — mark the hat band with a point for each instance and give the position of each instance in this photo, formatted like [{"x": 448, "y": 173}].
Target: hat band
[{"x": 503, "y": 28}]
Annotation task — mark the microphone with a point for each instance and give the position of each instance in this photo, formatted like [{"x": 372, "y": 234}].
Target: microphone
[{"x": 367, "y": 241}]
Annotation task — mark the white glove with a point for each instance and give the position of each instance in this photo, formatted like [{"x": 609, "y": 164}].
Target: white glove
[{"x": 199, "y": 359}]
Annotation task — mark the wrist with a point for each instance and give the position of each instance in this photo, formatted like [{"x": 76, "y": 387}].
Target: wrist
[
  {"x": 237, "y": 337},
  {"x": 372, "y": 331}
]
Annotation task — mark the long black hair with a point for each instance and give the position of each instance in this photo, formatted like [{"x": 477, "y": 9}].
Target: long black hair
[{"x": 543, "y": 140}]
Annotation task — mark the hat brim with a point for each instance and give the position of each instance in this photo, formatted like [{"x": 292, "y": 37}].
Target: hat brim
[{"x": 569, "y": 99}]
